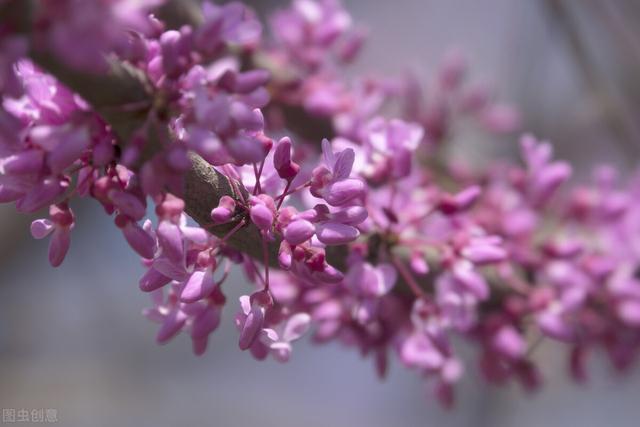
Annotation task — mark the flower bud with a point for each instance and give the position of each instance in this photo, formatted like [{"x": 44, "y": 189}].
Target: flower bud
[
  {"x": 152, "y": 280},
  {"x": 198, "y": 286},
  {"x": 225, "y": 210},
  {"x": 286, "y": 168},
  {"x": 139, "y": 240},
  {"x": 261, "y": 216},
  {"x": 249, "y": 81},
  {"x": 25, "y": 162},
  {"x": 335, "y": 233},
  {"x": 299, "y": 231},
  {"x": 128, "y": 204},
  {"x": 341, "y": 192}
]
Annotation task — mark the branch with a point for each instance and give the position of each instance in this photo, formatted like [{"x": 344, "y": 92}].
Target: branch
[
  {"x": 203, "y": 188},
  {"x": 123, "y": 98}
]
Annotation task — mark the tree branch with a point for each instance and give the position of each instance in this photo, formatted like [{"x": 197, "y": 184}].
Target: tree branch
[{"x": 123, "y": 98}]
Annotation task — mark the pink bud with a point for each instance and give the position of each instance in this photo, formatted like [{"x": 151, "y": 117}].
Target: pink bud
[
  {"x": 70, "y": 148},
  {"x": 170, "y": 46},
  {"x": 7, "y": 195},
  {"x": 552, "y": 324},
  {"x": 461, "y": 201},
  {"x": 342, "y": 192},
  {"x": 284, "y": 255},
  {"x": 282, "y": 160},
  {"x": 221, "y": 214},
  {"x": 59, "y": 246},
  {"x": 198, "y": 286},
  {"x": 153, "y": 280},
  {"x": 549, "y": 179},
  {"x": 249, "y": 81},
  {"x": 472, "y": 280},
  {"x": 335, "y": 233},
  {"x": 251, "y": 327},
  {"x": 299, "y": 231},
  {"x": 173, "y": 270},
  {"x": 246, "y": 149},
  {"x": 509, "y": 342},
  {"x": 103, "y": 152},
  {"x": 170, "y": 208},
  {"x": 261, "y": 216},
  {"x": 330, "y": 274},
  {"x": 418, "y": 263},
  {"x": 171, "y": 326},
  {"x": 199, "y": 345},
  {"x": 352, "y": 215},
  {"x": 282, "y": 153},
  {"x": 205, "y": 322},
  {"x": 246, "y": 118},
  {"x": 42, "y": 195},
  {"x": 484, "y": 253},
  {"x": 629, "y": 312},
  {"x": 25, "y": 162},
  {"x": 128, "y": 204},
  {"x": 138, "y": 239},
  {"x": 171, "y": 242}
]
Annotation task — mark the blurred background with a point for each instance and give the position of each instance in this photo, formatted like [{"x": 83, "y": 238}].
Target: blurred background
[{"x": 72, "y": 338}]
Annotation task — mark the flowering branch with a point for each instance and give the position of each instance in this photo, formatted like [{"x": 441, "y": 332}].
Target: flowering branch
[
  {"x": 122, "y": 97},
  {"x": 373, "y": 241}
]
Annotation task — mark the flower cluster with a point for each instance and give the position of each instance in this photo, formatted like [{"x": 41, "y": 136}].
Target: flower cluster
[{"x": 356, "y": 232}]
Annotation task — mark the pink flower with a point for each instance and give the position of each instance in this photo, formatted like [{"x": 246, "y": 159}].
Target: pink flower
[
  {"x": 251, "y": 319},
  {"x": 331, "y": 181},
  {"x": 371, "y": 281},
  {"x": 279, "y": 339},
  {"x": 59, "y": 226},
  {"x": 224, "y": 211}
]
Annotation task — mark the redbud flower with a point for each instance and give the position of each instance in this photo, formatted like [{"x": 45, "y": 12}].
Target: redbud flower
[
  {"x": 299, "y": 231},
  {"x": 332, "y": 181},
  {"x": 59, "y": 226},
  {"x": 279, "y": 339},
  {"x": 250, "y": 320},
  {"x": 287, "y": 169},
  {"x": 224, "y": 211},
  {"x": 261, "y": 213},
  {"x": 372, "y": 281}
]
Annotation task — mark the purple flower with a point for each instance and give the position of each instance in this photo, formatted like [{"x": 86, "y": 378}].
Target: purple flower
[
  {"x": 224, "y": 211},
  {"x": 331, "y": 181},
  {"x": 390, "y": 147},
  {"x": 251, "y": 319},
  {"x": 287, "y": 169},
  {"x": 545, "y": 176},
  {"x": 59, "y": 227},
  {"x": 371, "y": 281},
  {"x": 299, "y": 231},
  {"x": 279, "y": 339}
]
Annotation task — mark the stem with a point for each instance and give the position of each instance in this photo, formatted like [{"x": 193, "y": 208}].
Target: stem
[
  {"x": 256, "y": 188},
  {"x": 265, "y": 254},
  {"x": 233, "y": 231},
  {"x": 281, "y": 197},
  {"x": 298, "y": 188},
  {"x": 408, "y": 277}
]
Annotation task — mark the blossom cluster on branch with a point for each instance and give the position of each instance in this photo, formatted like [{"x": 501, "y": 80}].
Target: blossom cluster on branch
[{"x": 334, "y": 194}]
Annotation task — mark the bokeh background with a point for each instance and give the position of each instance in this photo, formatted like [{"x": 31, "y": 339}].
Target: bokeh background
[{"x": 73, "y": 338}]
